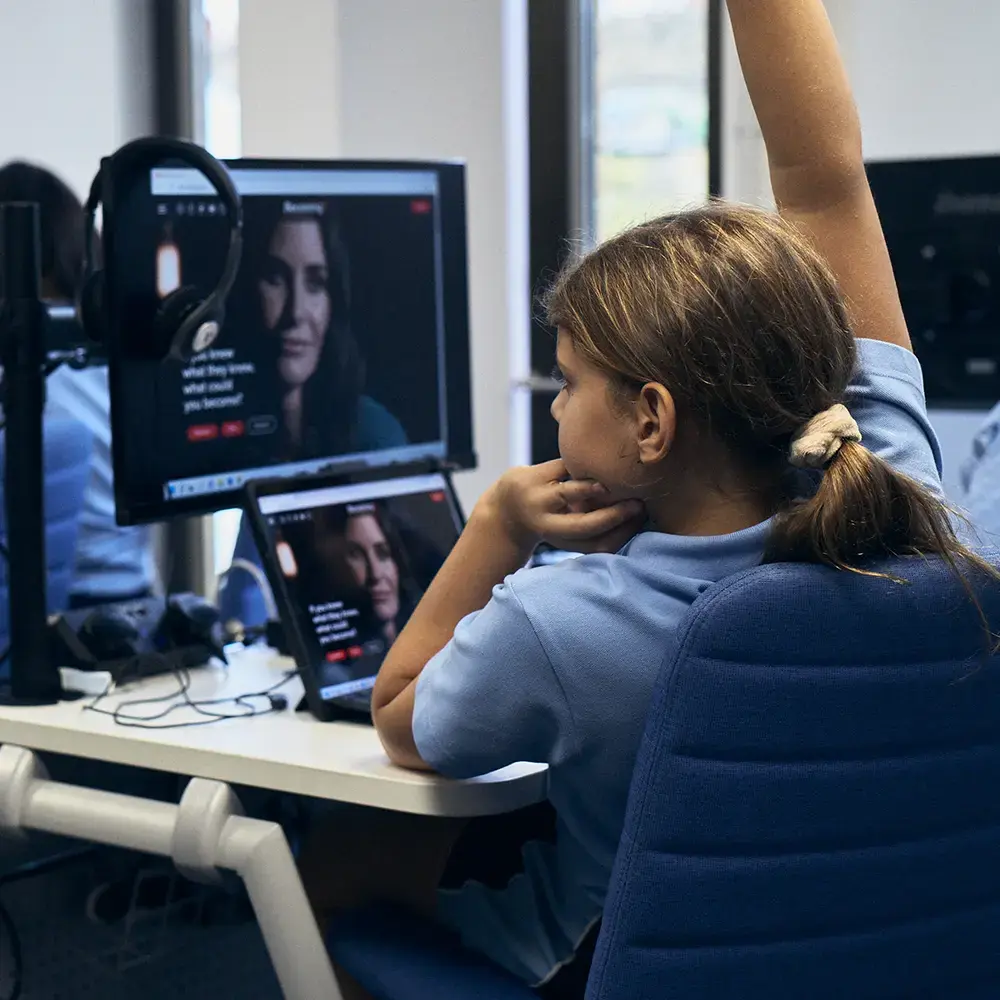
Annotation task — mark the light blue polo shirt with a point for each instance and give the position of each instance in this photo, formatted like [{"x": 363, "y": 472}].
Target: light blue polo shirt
[
  {"x": 112, "y": 562},
  {"x": 981, "y": 479},
  {"x": 560, "y": 666}
]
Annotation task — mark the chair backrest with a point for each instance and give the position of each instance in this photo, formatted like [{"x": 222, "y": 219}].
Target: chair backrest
[
  {"x": 815, "y": 810},
  {"x": 68, "y": 451}
]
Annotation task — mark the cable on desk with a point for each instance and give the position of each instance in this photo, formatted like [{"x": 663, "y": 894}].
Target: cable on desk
[{"x": 124, "y": 714}]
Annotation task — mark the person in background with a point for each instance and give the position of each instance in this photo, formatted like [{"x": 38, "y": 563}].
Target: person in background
[
  {"x": 113, "y": 563},
  {"x": 981, "y": 480}
]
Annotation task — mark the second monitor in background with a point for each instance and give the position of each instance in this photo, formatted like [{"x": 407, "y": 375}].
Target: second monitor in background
[{"x": 346, "y": 337}]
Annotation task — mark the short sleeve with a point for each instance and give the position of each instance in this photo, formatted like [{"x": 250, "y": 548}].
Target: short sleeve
[
  {"x": 491, "y": 698},
  {"x": 886, "y": 398}
]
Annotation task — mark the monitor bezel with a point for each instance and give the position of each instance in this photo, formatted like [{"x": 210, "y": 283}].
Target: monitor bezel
[
  {"x": 295, "y": 637},
  {"x": 459, "y": 448}
]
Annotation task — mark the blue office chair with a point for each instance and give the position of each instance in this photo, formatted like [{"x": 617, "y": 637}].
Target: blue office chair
[
  {"x": 67, "y": 455},
  {"x": 815, "y": 810}
]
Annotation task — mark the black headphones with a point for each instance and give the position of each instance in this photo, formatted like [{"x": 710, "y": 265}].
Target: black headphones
[{"x": 185, "y": 323}]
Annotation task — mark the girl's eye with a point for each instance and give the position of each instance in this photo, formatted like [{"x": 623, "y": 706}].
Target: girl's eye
[{"x": 558, "y": 376}]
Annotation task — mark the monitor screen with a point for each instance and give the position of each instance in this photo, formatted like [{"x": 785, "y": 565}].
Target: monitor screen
[
  {"x": 348, "y": 564},
  {"x": 345, "y": 342}
]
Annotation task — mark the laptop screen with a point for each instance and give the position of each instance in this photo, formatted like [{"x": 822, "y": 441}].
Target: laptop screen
[{"x": 352, "y": 562}]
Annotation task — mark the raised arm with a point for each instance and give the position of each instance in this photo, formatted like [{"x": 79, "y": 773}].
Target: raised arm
[{"x": 811, "y": 128}]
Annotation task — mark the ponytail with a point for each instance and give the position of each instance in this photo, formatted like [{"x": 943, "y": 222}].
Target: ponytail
[
  {"x": 737, "y": 313},
  {"x": 863, "y": 510}
]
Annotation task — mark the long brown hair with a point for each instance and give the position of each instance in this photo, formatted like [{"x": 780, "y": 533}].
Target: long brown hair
[{"x": 739, "y": 317}]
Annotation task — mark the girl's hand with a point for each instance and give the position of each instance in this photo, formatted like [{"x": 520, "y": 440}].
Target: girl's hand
[{"x": 539, "y": 503}]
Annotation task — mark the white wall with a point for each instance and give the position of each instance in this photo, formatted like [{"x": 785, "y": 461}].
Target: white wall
[
  {"x": 75, "y": 80},
  {"x": 442, "y": 79},
  {"x": 926, "y": 78},
  {"x": 744, "y": 159},
  {"x": 925, "y": 73},
  {"x": 289, "y": 90},
  {"x": 436, "y": 79}
]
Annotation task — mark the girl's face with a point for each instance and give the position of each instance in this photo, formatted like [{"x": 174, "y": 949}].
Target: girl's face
[
  {"x": 295, "y": 297},
  {"x": 596, "y": 439},
  {"x": 370, "y": 560}
]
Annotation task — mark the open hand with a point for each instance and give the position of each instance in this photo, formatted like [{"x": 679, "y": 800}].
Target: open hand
[{"x": 539, "y": 503}]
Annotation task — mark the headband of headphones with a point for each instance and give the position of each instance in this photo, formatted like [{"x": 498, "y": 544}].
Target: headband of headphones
[{"x": 185, "y": 322}]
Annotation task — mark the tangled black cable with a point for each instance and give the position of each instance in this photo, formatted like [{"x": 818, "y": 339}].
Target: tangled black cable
[{"x": 180, "y": 698}]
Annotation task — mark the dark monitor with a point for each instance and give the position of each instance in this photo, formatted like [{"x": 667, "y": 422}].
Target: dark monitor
[
  {"x": 346, "y": 340},
  {"x": 942, "y": 226}
]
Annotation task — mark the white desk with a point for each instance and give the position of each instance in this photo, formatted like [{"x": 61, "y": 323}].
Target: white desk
[{"x": 286, "y": 751}]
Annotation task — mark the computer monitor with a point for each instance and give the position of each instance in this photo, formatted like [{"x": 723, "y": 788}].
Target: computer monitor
[{"x": 346, "y": 340}]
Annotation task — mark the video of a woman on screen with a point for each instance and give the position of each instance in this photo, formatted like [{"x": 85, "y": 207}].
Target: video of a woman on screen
[{"x": 355, "y": 572}]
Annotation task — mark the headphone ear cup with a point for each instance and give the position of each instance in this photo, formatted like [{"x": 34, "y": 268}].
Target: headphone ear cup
[
  {"x": 91, "y": 309},
  {"x": 182, "y": 326}
]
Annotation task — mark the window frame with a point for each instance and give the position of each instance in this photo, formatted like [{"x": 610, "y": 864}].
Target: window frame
[{"x": 562, "y": 146}]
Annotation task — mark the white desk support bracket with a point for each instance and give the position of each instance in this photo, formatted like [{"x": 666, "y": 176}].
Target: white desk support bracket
[{"x": 206, "y": 832}]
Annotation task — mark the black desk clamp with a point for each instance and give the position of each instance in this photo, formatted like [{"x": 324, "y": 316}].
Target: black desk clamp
[{"x": 34, "y": 678}]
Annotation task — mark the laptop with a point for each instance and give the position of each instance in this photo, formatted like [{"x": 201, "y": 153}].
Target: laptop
[{"x": 348, "y": 556}]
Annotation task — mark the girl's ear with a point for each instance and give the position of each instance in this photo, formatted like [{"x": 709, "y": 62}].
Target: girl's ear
[{"x": 656, "y": 423}]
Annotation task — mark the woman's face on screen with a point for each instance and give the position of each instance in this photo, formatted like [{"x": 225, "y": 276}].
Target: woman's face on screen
[
  {"x": 370, "y": 559},
  {"x": 295, "y": 296}
]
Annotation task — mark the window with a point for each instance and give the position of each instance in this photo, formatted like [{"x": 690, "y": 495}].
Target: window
[
  {"x": 623, "y": 105},
  {"x": 650, "y": 97}
]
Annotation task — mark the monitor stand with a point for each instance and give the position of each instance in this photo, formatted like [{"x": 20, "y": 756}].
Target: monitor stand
[{"x": 34, "y": 678}]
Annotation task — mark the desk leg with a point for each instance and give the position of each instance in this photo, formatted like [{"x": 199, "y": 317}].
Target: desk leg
[{"x": 205, "y": 833}]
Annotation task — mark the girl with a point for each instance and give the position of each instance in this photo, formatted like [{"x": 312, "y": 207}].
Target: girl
[{"x": 706, "y": 356}]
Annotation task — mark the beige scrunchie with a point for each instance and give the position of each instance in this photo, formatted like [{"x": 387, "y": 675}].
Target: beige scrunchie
[{"x": 820, "y": 439}]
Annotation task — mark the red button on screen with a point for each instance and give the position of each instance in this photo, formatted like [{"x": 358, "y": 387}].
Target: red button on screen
[
  {"x": 420, "y": 206},
  {"x": 355, "y": 652},
  {"x": 233, "y": 429},
  {"x": 336, "y": 656},
  {"x": 438, "y": 496},
  {"x": 202, "y": 432}
]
